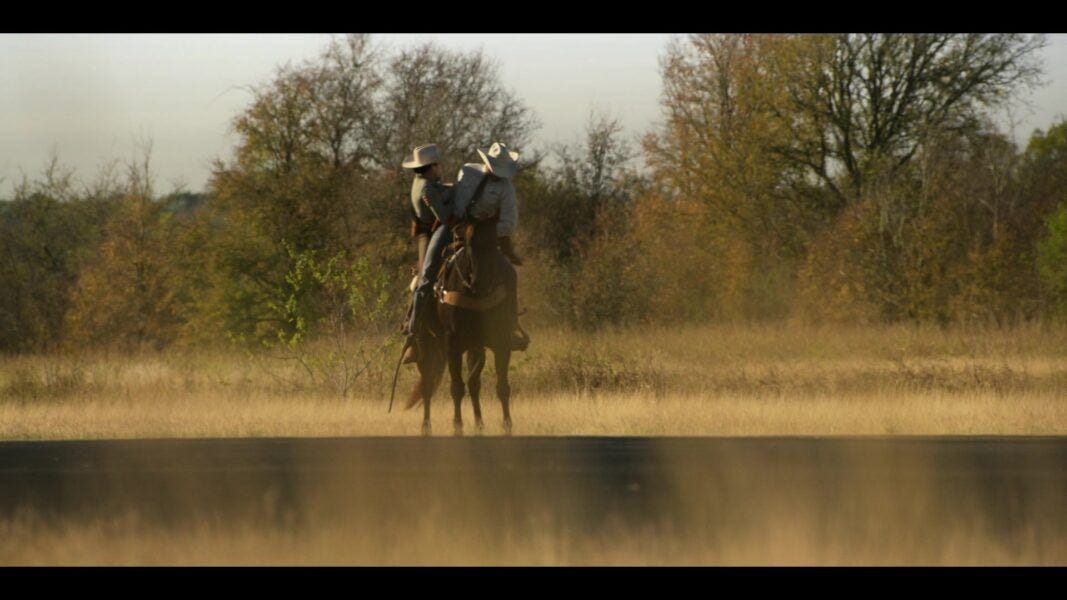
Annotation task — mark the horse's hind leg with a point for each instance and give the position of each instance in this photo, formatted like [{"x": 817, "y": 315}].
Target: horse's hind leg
[
  {"x": 430, "y": 371},
  {"x": 475, "y": 364},
  {"x": 427, "y": 392},
  {"x": 502, "y": 358},
  {"x": 426, "y": 408},
  {"x": 455, "y": 371}
]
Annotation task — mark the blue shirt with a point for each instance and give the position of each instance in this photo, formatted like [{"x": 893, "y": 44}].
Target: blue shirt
[{"x": 498, "y": 192}]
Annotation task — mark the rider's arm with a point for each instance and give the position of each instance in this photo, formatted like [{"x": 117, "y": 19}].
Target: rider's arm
[
  {"x": 439, "y": 198},
  {"x": 418, "y": 208},
  {"x": 509, "y": 210},
  {"x": 466, "y": 182}
]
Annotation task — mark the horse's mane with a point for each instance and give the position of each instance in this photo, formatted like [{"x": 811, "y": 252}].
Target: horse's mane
[{"x": 476, "y": 265}]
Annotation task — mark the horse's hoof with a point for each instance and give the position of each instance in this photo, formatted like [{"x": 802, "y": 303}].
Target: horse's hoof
[
  {"x": 479, "y": 425},
  {"x": 507, "y": 427},
  {"x": 457, "y": 429},
  {"x": 426, "y": 429}
]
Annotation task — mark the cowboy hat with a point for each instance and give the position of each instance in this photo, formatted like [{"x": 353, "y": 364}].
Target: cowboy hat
[
  {"x": 422, "y": 156},
  {"x": 500, "y": 160}
]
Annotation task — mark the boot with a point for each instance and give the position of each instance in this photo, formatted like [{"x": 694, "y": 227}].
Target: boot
[{"x": 519, "y": 340}]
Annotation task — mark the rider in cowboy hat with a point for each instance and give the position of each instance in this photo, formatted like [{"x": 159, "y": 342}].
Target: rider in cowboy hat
[
  {"x": 431, "y": 205},
  {"x": 499, "y": 165},
  {"x": 428, "y": 195}
]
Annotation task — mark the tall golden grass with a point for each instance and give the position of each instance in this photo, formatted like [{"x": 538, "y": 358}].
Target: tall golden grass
[{"x": 764, "y": 379}]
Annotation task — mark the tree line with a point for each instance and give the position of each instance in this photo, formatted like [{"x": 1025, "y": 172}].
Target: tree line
[{"x": 857, "y": 178}]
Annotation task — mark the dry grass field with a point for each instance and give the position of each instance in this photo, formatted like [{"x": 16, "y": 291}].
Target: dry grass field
[
  {"x": 714, "y": 380},
  {"x": 758, "y": 380}
]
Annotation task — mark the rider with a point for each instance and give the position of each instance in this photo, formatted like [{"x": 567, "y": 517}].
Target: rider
[
  {"x": 431, "y": 204},
  {"x": 499, "y": 165},
  {"x": 426, "y": 189}
]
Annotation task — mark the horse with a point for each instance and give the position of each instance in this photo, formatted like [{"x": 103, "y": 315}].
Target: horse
[{"x": 472, "y": 315}]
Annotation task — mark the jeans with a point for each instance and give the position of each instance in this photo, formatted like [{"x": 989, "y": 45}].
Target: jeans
[{"x": 428, "y": 275}]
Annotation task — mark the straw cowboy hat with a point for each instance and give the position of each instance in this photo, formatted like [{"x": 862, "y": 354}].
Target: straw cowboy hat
[
  {"x": 500, "y": 160},
  {"x": 422, "y": 156}
]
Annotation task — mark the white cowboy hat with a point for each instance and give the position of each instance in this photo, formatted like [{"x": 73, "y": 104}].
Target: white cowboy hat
[
  {"x": 500, "y": 160},
  {"x": 422, "y": 156}
]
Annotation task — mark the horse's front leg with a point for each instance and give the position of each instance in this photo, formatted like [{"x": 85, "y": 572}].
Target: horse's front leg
[
  {"x": 502, "y": 358},
  {"x": 430, "y": 371},
  {"x": 475, "y": 364},
  {"x": 455, "y": 371},
  {"x": 426, "y": 411}
]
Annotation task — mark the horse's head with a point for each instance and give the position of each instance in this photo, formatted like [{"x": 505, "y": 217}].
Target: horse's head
[{"x": 479, "y": 268}]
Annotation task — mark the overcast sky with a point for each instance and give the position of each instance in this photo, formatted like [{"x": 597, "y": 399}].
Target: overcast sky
[{"x": 90, "y": 97}]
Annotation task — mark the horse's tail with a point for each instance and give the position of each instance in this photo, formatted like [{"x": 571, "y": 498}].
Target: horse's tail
[{"x": 431, "y": 372}]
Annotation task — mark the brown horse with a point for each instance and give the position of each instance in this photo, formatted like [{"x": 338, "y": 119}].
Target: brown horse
[{"x": 472, "y": 315}]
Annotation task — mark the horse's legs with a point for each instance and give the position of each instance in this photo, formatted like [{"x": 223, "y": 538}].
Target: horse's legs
[
  {"x": 426, "y": 393},
  {"x": 426, "y": 429},
  {"x": 502, "y": 358},
  {"x": 430, "y": 368},
  {"x": 475, "y": 364},
  {"x": 455, "y": 371}
]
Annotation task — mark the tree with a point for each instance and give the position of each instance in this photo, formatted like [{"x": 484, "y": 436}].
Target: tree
[
  {"x": 844, "y": 160},
  {"x": 715, "y": 149},
  {"x": 577, "y": 222},
  {"x": 47, "y": 231},
  {"x": 1052, "y": 261},
  {"x": 452, "y": 98},
  {"x": 1045, "y": 169},
  {"x": 588, "y": 189},
  {"x": 860, "y": 105},
  {"x": 127, "y": 294}
]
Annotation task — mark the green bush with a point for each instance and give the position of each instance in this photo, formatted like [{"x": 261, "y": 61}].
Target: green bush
[{"x": 1052, "y": 260}]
